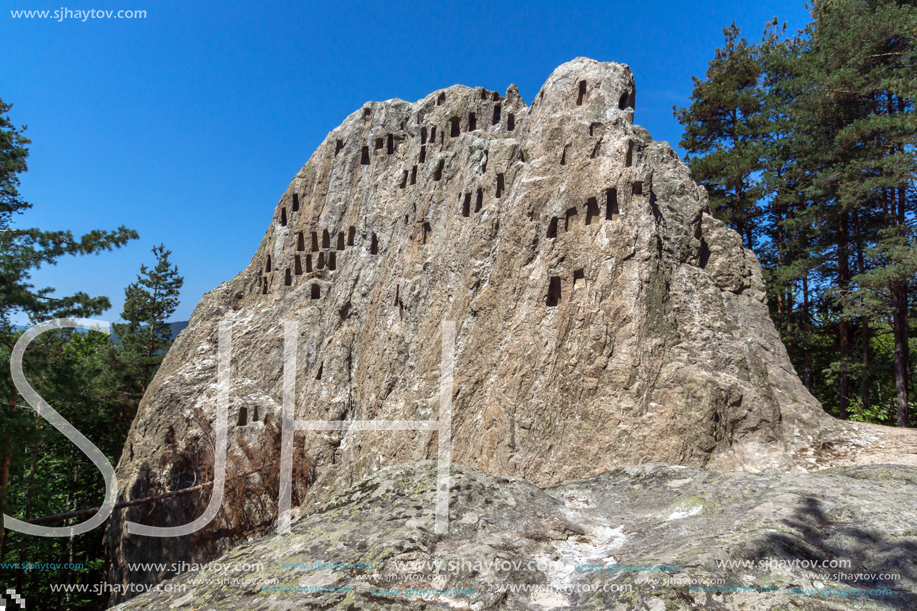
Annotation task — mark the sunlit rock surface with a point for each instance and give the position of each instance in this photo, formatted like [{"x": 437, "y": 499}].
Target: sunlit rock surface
[
  {"x": 603, "y": 317},
  {"x": 647, "y": 538}
]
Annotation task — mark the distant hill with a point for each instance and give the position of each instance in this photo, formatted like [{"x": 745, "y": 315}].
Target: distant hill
[{"x": 176, "y": 328}]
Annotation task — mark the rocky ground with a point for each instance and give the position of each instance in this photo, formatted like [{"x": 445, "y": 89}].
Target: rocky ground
[
  {"x": 652, "y": 537},
  {"x": 864, "y": 444}
]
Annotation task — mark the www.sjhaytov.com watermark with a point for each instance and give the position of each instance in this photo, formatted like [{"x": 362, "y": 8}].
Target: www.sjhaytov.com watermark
[{"x": 66, "y": 14}]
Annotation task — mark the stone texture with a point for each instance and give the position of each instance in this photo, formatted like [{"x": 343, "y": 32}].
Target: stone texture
[
  {"x": 603, "y": 317},
  {"x": 518, "y": 546}
]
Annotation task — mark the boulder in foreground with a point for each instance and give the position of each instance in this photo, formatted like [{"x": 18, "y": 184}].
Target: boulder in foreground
[{"x": 652, "y": 537}]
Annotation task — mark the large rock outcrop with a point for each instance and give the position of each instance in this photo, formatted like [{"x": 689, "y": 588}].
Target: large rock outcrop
[
  {"x": 652, "y": 537},
  {"x": 603, "y": 317}
]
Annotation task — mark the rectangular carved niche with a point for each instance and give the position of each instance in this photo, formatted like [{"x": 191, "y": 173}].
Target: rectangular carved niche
[
  {"x": 554, "y": 292},
  {"x": 570, "y": 219},
  {"x": 552, "y": 228},
  {"x": 592, "y": 210},
  {"x": 611, "y": 203}
]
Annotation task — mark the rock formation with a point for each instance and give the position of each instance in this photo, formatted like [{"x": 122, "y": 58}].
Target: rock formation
[
  {"x": 645, "y": 538},
  {"x": 603, "y": 316}
]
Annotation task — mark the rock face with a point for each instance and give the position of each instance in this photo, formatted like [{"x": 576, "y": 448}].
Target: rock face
[
  {"x": 645, "y": 538},
  {"x": 603, "y": 317}
]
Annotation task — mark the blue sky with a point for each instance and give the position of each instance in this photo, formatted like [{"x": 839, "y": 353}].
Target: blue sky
[{"x": 188, "y": 125}]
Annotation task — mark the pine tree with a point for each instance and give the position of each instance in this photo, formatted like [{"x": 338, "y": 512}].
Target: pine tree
[
  {"x": 785, "y": 248},
  {"x": 721, "y": 133},
  {"x": 830, "y": 144},
  {"x": 146, "y": 334},
  {"x": 22, "y": 251},
  {"x": 864, "y": 61}
]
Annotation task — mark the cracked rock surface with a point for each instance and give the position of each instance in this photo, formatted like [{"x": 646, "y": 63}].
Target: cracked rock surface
[{"x": 640, "y": 538}]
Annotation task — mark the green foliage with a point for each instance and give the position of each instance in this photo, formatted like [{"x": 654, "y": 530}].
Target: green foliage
[
  {"x": 26, "y": 250},
  {"x": 820, "y": 127},
  {"x": 721, "y": 126},
  {"x": 93, "y": 380},
  {"x": 96, "y": 382},
  {"x": 146, "y": 335},
  {"x": 52, "y": 476},
  {"x": 13, "y": 153}
]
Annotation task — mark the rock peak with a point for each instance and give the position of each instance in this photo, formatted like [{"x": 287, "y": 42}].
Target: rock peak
[
  {"x": 603, "y": 317},
  {"x": 604, "y": 89}
]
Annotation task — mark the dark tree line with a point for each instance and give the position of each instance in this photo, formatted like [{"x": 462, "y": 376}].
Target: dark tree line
[
  {"x": 94, "y": 380},
  {"x": 806, "y": 144}
]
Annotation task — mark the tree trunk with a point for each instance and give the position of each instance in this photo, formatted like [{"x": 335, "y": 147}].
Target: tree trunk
[
  {"x": 28, "y": 505},
  {"x": 864, "y": 320},
  {"x": 20, "y": 576},
  {"x": 788, "y": 320},
  {"x": 780, "y": 328},
  {"x": 807, "y": 350},
  {"x": 898, "y": 292},
  {"x": 5, "y": 459},
  {"x": 4, "y": 484},
  {"x": 843, "y": 398},
  {"x": 843, "y": 282},
  {"x": 864, "y": 382},
  {"x": 28, "y": 500},
  {"x": 899, "y": 326}
]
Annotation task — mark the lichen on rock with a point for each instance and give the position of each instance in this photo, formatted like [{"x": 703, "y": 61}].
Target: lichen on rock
[{"x": 735, "y": 541}]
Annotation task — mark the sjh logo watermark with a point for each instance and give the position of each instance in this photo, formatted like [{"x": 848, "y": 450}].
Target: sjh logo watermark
[
  {"x": 443, "y": 426},
  {"x": 15, "y": 598}
]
